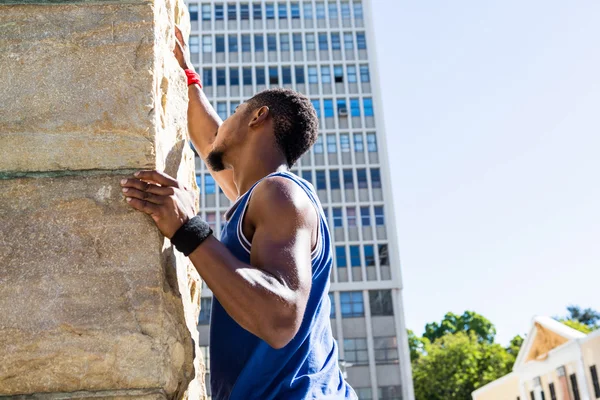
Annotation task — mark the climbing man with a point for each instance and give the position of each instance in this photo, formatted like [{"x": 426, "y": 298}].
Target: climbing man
[{"x": 270, "y": 334}]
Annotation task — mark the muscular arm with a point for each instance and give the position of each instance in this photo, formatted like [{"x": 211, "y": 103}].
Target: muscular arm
[{"x": 268, "y": 296}]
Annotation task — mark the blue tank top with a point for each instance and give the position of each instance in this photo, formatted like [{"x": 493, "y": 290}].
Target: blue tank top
[{"x": 244, "y": 366}]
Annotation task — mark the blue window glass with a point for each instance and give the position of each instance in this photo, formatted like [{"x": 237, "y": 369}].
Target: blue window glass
[
  {"x": 338, "y": 76},
  {"x": 355, "y": 107},
  {"x": 286, "y": 75},
  {"x": 247, "y": 76},
  {"x": 340, "y": 257},
  {"x": 359, "y": 146},
  {"x": 245, "y": 11},
  {"x": 220, "y": 76},
  {"x": 297, "y": 41},
  {"x": 375, "y": 178},
  {"x": 193, "y": 9},
  {"x": 246, "y": 43},
  {"x": 321, "y": 181},
  {"x": 220, "y": 43},
  {"x": 317, "y": 106},
  {"x": 365, "y": 216},
  {"x": 198, "y": 181},
  {"x": 194, "y": 44},
  {"x": 232, "y": 106},
  {"x": 219, "y": 12},
  {"x": 313, "y": 76},
  {"x": 332, "y": 302},
  {"x": 328, "y": 108},
  {"x": 205, "y": 12},
  {"x": 222, "y": 111},
  {"x": 345, "y": 142},
  {"x": 355, "y": 256},
  {"x": 334, "y": 179},
  {"x": 379, "y": 217},
  {"x": 320, "y": 10},
  {"x": 336, "y": 44},
  {"x": 368, "y": 106},
  {"x": 299, "y": 75},
  {"x": 231, "y": 11},
  {"x": 318, "y": 146},
  {"x": 270, "y": 10},
  {"x": 233, "y": 43},
  {"x": 352, "y": 304},
  {"x": 331, "y": 144},
  {"x": 348, "y": 179},
  {"x": 271, "y": 42},
  {"x": 358, "y": 10},
  {"x": 307, "y": 175},
  {"x": 342, "y": 109},
  {"x": 348, "y": 41},
  {"x": 284, "y": 42},
  {"x": 364, "y": 73},
  {"x": 371, "y": 142},
  {"x": 206, "y": 44},
  {"x": 209, "y": 184},
  {"x": 308, "y": 10},
  {"x": 323, "y": 44},
  {"x": 207, "y": 77},
  {"x": 369, "y": 255},
  {"x": 260, "y": 76},
  {"x": 259, "y": 42},
  {"x": 295, "y": 7},
  {"x": 205, "y": 307},
  {"x": 351, "y": 73},
  {"x": 257, "y": 10},
  {"x": 361, "y": 175},
  {"x": 361, "y": 41},
  {"x": 273, "y": 76},
  {"x": 282, "y": 10},
  {"x": 338, "y": 220},
  {"x": 234, "y": 76},
  {"x": 346, "y": 10},
  {"x": 333, "y": 12}
]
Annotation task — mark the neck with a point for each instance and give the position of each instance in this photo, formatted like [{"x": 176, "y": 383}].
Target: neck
[{"x": 250, "y": 169}]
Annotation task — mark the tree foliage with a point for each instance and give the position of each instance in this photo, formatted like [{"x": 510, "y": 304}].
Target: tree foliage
[{"x": 469, "y": 321}]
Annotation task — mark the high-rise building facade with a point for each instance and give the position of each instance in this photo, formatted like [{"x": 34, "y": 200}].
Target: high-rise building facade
[{"x": 324, "y": 49}]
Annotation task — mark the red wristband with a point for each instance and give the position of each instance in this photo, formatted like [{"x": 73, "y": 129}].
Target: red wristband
[{"x": 192, "y": 77}]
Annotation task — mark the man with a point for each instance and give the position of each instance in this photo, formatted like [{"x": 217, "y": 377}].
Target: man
[{"x": 270, "y": 334}]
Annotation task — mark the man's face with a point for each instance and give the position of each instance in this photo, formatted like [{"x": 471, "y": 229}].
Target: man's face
[{"x": 230, "y": 135}]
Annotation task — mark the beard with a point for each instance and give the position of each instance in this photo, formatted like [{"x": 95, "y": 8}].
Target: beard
[{"x": 215, "y": 160}]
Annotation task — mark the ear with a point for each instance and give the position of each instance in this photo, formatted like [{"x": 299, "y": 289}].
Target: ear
[{"x": 259, "y": 117}]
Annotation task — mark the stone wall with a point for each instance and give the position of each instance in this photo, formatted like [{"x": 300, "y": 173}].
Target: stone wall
[{"x": 93, "y": 300}]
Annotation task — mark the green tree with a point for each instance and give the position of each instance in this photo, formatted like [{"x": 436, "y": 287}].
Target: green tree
[
  {"x": 416, "y": 345},
  {"x": 577, "y": 325},
  {"x": 588, "y": 317},
  {"x": 456, "y": 364},
  {"x": 469, "y": 321},
  {"x": 513, "y": 349}
]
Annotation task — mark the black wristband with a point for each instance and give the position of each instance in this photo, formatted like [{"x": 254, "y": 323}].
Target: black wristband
[{"x": 190, "y": 235}]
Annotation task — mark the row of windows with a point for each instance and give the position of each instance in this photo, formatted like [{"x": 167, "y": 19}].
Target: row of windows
[
  {"x": 299, "y": 73},
  {"x": 384, "y": 393},
  {"x": 283, "y": 44},
  {"x": 351, "y": 216},
  {"x": 355, "y": 258},
  {"x": 352, "y": 304},
  {"x": 385, "y": 347},
  {"x": 344, "y": 144},
  {"x": 283, "y": 12}
]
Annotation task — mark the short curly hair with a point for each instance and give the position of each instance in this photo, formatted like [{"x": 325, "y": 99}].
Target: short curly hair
[{"x": 295, "y": 122}]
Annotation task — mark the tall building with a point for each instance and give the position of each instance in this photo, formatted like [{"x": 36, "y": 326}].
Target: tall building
[{"x": 324, "y": 49}]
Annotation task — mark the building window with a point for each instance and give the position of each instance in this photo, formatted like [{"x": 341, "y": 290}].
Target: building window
[
  {"x": 381, "y": 302},
  {"x": 338, "y": 74},
  {"x": 320, "y": 10},
  {"x": 219, "y": 13},
  {"x": 379, "y": 217},
  {"x": 332, "y": 305},
  {"x": 335, "y": 41},
  {"x": 222, "y": 111},
  {"x": 310, "y": 41},
  {"x": 259, "y": 42},
  {"x": 220, "y": 76},
  {"x": 211, "y": 219},
  {"x": 369, "y": 255},
  {"x": 257, "y": 10},
  {"x": 270, "y": 10},
  {"x": 333, "y": 12},
  {"x": 348, "y": 179},
  {"x": 246, "y": 43},
  {"x": 316, "y": 104},
  {"x": 355, "y": 107},
  {"x": 198, "y": 180},
  {"x": 323, "y": 44},
  {"x": 355, "y": 352},
  {"x": 384, "y": 258},
  {"x": 234, "y": 76},
  {"x": 273, "y": 76},
  {"x": 247, "y": 76},
  {"x": 331, "y": 143},
  {"x": 232, "y": 107},
  {"x": 361, "y": 42},
  {"x": 313, "y": 76},
  {"x": 595, "y": 382},
  {"x": 352, "y": 304},
  {"x": 345, "y": 142},
  {"x": 209, "y": 181},
  {"x": 245, "y": 12},
  {"x": 575, "y": 387},
  {"x": 220, "y": 43},
  {"x": 386, "y": 350},
  {"x": 389, "y": 392},
  {"x": 207, "y": 77},
  {"x": 364, "y": 393},
  {"x": 297, "y": 41},
  {"x": 325, "y": 74},
  {"x": 206, "y": 353},
  {"x": 358, "y": 143},
  {"x": 340, "y": 256},
  {"x": 206, "y": 44},
  {"x": 371, "y": 142},
  {"x": 375, "y": 178},
  {"x": 231, "y": 11},
  {"x": 322, "y": 183},
  {"x": 286, "y": 75},
  {"x": 307, "y": 176},
  {"x": 351, "y": 216},
  {"x": 205, "y": 305},
  {"x": 351, "y": 73},
  {"x": 205, "y": 12},
  {"x": 282, "y": 10},
  {"x": 355, "y": 256},
  {"x": 365, "y": 216},
  {"x": 308, "y": 11},
  {"x": 348, "y": 41},
  {"x": 299, "y": 75},
  {"x": 328, "y": 108},
  {"x": 361, "y": 175},
  {"x": 358, "y": 10},
  {"x": 338, "y": 221},
  {"x": 368, "y": 106},
  {"x": 271, "y": 42},
  {"x": 295, "y": 8},
  {"x": 364, "y": 73},
  {"x": 260, "y": 76},
  {"x": 194, "y": 44},
  {"x": 318, "y": 146},
  {"x": 193, "y": 9},
  {"x": 334, "y": 179},
  {"x": 552, "y": 391},
  {"x": 284, "y": 42}
]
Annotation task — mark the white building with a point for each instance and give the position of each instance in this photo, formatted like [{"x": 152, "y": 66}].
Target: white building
[{"x": 324, "y": 49}]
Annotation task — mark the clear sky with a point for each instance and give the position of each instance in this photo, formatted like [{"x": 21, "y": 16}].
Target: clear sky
[{"x": 492, "y": 113}]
